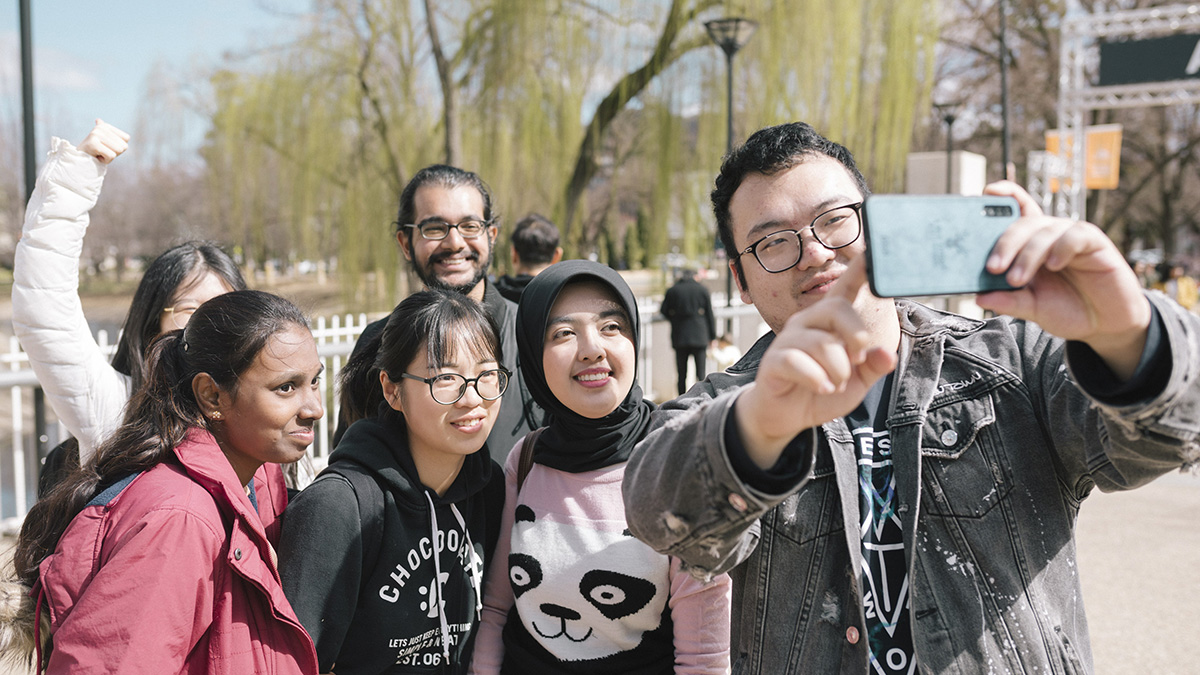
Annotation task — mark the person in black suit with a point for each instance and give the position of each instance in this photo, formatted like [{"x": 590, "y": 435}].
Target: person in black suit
[{"x": 688, "y": 307}]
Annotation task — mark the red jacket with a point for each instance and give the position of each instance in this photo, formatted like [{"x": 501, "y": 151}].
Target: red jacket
[{"x": 174, "y": 575}]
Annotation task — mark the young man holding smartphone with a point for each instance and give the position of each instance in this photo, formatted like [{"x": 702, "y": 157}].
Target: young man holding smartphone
[{"x": 893, "y": 488}]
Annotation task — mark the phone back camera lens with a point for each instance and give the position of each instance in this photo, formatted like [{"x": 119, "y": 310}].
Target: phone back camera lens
[{"x": 997, "y": 211}]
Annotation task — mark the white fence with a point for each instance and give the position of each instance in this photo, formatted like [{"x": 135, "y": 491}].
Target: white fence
[{"x": 20, "y": 462}]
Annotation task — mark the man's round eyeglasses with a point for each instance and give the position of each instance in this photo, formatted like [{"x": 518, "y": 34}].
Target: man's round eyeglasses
[
  {"x": 447, "y": 388},
  {"x": 437, "y": 229},
  {"x": 182, "y": 313},
  {"x": 780, "y": 251}
]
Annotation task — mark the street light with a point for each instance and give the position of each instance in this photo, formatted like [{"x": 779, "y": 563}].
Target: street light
[
  {"x": 949, "y": 113},
  {"x": 1006, "y": 135},
  {"x": 40, "y": 439},
  {"x": 27, "y": 97},
  {"x": 730, "y": 34}
]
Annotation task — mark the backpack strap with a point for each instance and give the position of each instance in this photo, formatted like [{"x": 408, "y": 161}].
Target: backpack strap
[
  {"x": 109, "y": 492},
  {"x": 525, "y": 462},
  {"x": 369, "y": 495}
]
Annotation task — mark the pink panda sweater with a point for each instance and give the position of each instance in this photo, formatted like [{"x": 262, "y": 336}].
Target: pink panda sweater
[{"x": 571, "y": 591}]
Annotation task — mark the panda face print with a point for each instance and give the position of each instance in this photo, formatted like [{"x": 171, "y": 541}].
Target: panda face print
[{"x": 582, "y": 592}]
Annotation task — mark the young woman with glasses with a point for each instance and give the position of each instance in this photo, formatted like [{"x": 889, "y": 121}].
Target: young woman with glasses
[
  {"x": 572, "y": 592},
  {"x": 87, "y": 392},
  {"x": 383, "y": 556}
]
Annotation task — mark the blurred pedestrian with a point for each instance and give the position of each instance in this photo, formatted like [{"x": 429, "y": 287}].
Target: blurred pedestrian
[
  {"x": 724, "y": 353},
  {"x": 534, "y": 248},
  {"x": 1181, "y": 286},
  {"x": 1145, "y": 273},
  {"x": 688, "y": 306}
]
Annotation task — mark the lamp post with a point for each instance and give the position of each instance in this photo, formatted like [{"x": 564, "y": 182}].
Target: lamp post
[
  {"x": 949, "y": 113},
  {"x": 27, "y": 97},
  {"x": 1006, "y": 135},
  {"x": 730, "y": 34},
  {"x": 40, "y": 439}
]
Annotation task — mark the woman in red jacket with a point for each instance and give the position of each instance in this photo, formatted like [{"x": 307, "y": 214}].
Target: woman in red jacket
[{"x": 157, "y": 557}]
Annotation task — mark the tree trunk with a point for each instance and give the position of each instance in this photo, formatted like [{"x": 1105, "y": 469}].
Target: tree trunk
[
  {"x": 449, "y": 92},
  {"x": 629, "y": 86}
]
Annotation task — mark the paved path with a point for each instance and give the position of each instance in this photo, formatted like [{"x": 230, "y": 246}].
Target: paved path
[{"x": 1138, "y": 554}]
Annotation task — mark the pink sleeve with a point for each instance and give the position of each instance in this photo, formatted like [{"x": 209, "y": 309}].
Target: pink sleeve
[
  {"x": 701, "y": 616},
  {"x": 497, "y": 591},
  {"x": 148, "y": 605}
]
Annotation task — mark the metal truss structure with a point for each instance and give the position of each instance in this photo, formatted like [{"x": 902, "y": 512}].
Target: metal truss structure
[{"x": 1076, "y": 96}]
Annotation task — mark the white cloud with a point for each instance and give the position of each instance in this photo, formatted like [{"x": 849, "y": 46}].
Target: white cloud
[
  {"x": 10, "y": 60},
  {"x": 61, "y": 71},
  {"x": 53, "y": 69}
]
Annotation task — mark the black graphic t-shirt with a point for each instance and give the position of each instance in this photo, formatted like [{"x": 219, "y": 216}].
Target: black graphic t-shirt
[{"x": 884, "y": 574}]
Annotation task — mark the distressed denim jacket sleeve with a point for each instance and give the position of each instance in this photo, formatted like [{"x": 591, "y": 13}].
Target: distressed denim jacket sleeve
[
  {"x": 1137, "y": 442},
  {"x": 681, "y": 493}
]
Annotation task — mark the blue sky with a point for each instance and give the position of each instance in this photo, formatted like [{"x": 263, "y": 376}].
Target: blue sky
[{"x": 91, "y": 59}]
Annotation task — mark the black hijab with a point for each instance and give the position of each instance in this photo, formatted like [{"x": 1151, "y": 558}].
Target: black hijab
[{"x": 572, "y": 442}]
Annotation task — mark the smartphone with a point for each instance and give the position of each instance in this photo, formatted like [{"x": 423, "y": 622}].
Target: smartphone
[{"x": 934, "y": 244}]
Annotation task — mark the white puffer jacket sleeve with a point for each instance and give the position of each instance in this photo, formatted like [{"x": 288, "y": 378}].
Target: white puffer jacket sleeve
[{"x": 87, "y": 394}]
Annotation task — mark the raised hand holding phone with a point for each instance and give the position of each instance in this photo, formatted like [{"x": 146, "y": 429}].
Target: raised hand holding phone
[
  {"x": 818, "y": 368},
  {"x": 1075, "y": 283}
]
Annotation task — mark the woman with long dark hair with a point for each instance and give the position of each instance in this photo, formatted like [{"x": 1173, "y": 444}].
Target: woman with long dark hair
[
  {"x": 87, "y": 392},
  {"x": 574, "y": 592},
  {"x": 383, "y": 556},
  {"x": 157, "y": 556}
]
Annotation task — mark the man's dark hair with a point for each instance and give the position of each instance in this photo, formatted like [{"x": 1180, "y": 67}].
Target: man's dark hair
[
  {"x": 535, "y": 239},
  {"x": 770, "y": 151},
  {"x": 445, "y": 176}
]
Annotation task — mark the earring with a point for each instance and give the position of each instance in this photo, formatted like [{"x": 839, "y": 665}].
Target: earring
[{"x": 216, "y": 415}]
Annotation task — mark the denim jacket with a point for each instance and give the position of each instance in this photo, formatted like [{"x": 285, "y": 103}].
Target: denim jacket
[{"x": 995, "y": 446}]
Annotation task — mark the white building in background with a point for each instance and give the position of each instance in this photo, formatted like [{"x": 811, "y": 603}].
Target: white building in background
[{"x": 926, "y": 173}]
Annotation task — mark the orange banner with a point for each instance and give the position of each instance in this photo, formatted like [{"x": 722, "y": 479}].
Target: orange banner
[{"x": 1102, "y": 152}]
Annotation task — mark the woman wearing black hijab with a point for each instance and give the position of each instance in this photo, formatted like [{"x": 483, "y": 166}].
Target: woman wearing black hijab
[{"x": 579, "y": 594}]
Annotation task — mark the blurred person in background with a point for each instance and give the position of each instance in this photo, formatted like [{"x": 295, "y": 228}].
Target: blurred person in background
[
  {"x": 534, "y": 248},
  {"x": 688, "y": 306}
]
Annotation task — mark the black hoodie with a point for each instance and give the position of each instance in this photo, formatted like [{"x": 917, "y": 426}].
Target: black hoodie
[{"x": 356, "y": 555}]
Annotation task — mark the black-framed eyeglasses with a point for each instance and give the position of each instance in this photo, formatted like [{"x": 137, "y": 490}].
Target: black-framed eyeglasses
[
  {"x": 182, "y": 313},
  {"x": 447, "y": 388},
  {"x": 836, "y": 228},
  {"x": 437, "y": 229}
]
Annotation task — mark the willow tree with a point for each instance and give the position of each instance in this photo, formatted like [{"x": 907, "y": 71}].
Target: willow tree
[
  {"x": 322, "y": 134},
  {"x": 857, "y": 70},
  {"x": 596, "y": 113}
]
